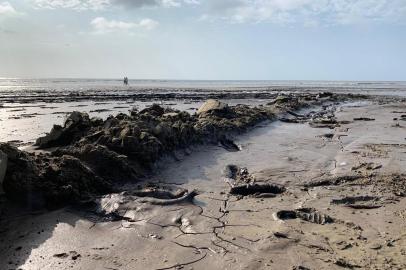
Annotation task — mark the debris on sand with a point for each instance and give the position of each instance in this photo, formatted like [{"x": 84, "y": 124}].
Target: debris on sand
[
  {"x": 345, "y": 264},
  {"x": 327, "y": 136},
  {"x": 229, "y": 145},
  {"x": 235, "y": 175},
  {"x": 395, "y": 183},
  {"x": 157, "y": 192},
  {"x": 323, "y": 118},
  {"x": 313, "y": 216},
  {"x": 330, "y": 123},
  {"x": 306, "y": 214},
  {"x": 359, "y": 202},
  {"x": 289, "y": 120},
  {"x": 256, "y": 188},
  {"x": 116, "y": 206},
  {"x": 72, "y": 254},
  {"x": 333, "y": 181},
  {"x": 364, "y": 119},
  {"x": 367, "y": 166},
  {"x": 243, "y": 183},
  {"x": 186, "y": 197}
]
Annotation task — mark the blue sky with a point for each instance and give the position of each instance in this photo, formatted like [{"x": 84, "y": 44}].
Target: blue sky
[{"x": 204, "y": 39}]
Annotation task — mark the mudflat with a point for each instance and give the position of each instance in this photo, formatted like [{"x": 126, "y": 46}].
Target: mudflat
[{"x": 301, "y": 181}]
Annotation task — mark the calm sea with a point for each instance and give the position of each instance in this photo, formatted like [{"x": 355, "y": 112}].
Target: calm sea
[{"x": 45, "y": 85}]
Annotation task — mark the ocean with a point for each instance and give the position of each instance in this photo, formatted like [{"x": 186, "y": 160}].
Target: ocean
[{"x": 13, "y": 85}]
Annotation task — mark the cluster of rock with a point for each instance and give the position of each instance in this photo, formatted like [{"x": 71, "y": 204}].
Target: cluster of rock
[{"x": 88, "y": 156}]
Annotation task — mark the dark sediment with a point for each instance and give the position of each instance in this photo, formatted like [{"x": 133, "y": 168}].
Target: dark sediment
[
  {"x": 44, "y": 180},
  {"x": 307, "y": 214},
  {"x": 90, "y": 156},
  {"x": 257, "y": 188},
  {"x": 242, "y": 183}
]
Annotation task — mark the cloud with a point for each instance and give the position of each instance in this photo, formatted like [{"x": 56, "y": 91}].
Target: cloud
[
  {"x": 103, "y": 4},
  {"x": 285, "y": 12},
  {"x": 154, "y": 3},
  {"x": 307, "y": 12},
  {"x": 142, "y": 3},
  {"x": 71, "y": 4},
  {"x": 102, "y": 25},
  {"x": 6, "y": 9}
]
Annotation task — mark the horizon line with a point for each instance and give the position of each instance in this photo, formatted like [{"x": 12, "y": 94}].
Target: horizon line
[{"x": 220, "y": 80}]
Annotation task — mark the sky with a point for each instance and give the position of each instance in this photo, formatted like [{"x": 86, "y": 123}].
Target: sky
[{"x": 204, "y": 39}]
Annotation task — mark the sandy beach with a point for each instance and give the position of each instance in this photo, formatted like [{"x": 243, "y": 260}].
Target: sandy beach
[{"x": 292, "y": 181}]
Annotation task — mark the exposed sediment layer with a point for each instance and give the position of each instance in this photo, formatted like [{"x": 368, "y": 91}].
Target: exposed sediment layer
[
  {"x": 146, "y": 95},
  {"x": 90, "y": 155}
]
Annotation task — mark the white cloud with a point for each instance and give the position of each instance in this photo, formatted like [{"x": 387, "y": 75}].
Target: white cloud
[
  {"x": 288, "y": 12},
  {"x": 72, "y": 4},
  {"x": 157, "y": 3},
  {"x": 102, "y": 25},
  {"x": 7, "y": 9},
  {"x": 307, "y": 12},
  {"x": 103, "y": 4}
]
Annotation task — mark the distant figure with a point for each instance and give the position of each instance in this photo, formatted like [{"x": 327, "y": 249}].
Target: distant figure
[{"x": 125, "y": 81}]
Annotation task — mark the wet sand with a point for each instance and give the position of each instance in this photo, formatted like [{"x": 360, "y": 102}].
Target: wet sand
[{"x": 348, "y": 180}]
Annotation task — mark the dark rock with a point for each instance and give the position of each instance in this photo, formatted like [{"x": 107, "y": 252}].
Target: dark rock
[{"x": 363, "y": 119}]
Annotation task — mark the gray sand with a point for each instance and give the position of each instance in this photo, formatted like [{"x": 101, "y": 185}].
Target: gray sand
[{"x": 221, "y": 231}]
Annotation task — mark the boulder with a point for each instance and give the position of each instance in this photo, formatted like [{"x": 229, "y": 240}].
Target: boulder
[{"x": 212, "y": 105}]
